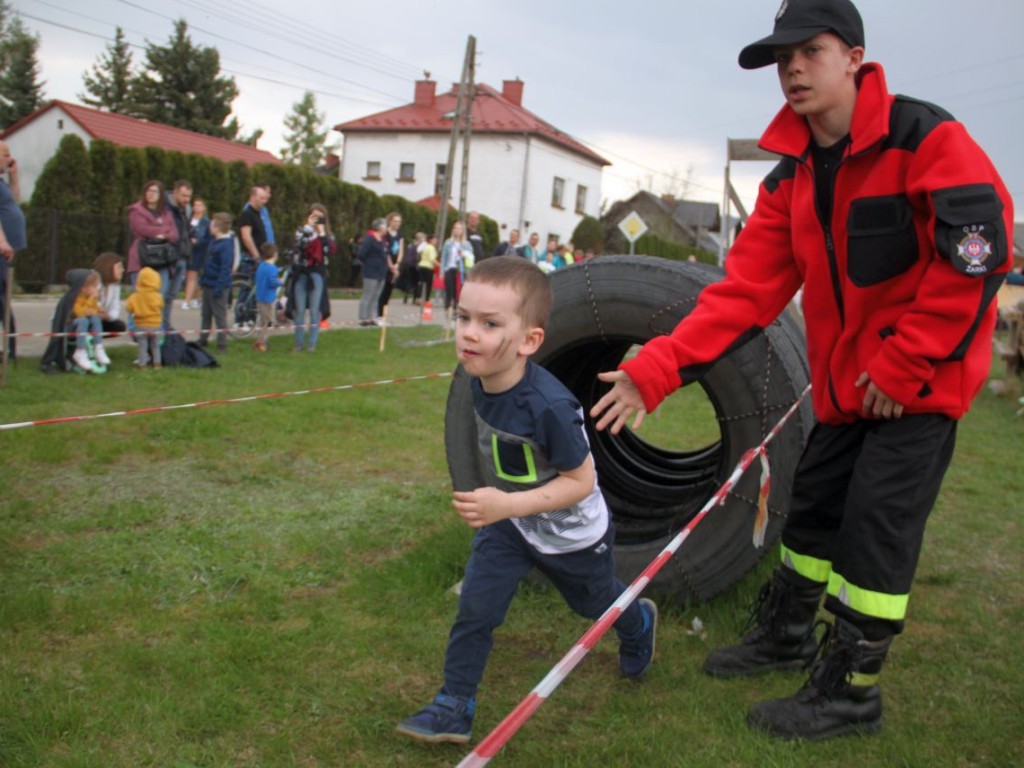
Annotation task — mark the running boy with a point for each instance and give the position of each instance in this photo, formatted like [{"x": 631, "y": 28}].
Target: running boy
[
  {"x": 216, "y": 281},
  {"x": 897, "y": 225},
  {"x": 267, "y": 283},
  {"x": 543, "y": 509},
  {"x": 146, "y": 307}
]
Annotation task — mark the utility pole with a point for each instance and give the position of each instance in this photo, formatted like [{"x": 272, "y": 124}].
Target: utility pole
[
  {"x": 460, "y": 123},
  {"x": 467, "y": 130}
]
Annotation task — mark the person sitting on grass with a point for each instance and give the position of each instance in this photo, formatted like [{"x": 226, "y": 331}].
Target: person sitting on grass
[
  {"x": 267, "y": 283},
  {"x": 216, "y": 281},
  {"x": 543, "y": 507},
  {"x": 86, "y": 320},
  {"x": 146, "y": 307}
]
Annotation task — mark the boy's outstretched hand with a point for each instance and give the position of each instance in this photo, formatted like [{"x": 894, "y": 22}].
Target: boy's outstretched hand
[
  {"x": 619, "y": 403},
  {"x": 483, "y": 506}
]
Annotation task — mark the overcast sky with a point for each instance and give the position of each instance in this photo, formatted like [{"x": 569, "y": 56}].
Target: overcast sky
[{"x": 652, "y": 86}]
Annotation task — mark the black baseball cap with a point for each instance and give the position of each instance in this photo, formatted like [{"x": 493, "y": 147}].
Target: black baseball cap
[{"x": 799, "y": 20}]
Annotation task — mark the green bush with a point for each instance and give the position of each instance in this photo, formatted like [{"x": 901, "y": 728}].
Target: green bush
[
  {"x": 80, "y": 204},
  {"x": 589, "y": 235}
]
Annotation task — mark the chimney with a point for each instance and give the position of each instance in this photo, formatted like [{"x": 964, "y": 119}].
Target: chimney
[
  {"x": 425, "y": 93},
  {"x": 512, "y": 90}
]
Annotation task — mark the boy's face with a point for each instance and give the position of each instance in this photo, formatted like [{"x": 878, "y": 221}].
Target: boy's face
[
  {"x": 817, "y": 75},
  {"x": 491, "y": 341}
]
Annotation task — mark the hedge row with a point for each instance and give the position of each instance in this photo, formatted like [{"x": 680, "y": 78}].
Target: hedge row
[{"x": 80, "y": 203}]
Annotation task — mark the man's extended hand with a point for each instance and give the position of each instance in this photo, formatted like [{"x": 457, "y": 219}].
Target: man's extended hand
[
  {"x": 876, "y": 402},
  {"x": 619, "y": 403}
]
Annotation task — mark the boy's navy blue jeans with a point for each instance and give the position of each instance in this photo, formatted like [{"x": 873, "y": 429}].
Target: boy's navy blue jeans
[{"x": 501, "y": 558}]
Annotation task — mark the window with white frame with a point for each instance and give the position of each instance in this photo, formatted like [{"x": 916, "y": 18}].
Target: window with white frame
[
  {"x": 557, "y": 192},
  {"x": 407, "y": 172},
  {"x": 439, "y": 175},
  {"x": 373, "y": 169},
  {"x": 581, "y": 198}
]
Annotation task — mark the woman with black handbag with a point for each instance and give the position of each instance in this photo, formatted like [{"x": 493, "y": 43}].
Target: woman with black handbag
[{"x": 154, "y": 233}]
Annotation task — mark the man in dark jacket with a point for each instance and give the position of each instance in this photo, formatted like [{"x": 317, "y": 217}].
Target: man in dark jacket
[
  {"x": 897, "y": 225},
  {"x": 510, "y": 246},
  {"x": 475, "y": 238},
  {"x": 179, "y": 203}
]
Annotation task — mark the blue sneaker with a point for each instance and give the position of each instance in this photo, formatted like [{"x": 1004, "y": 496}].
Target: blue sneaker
[
  {"x": 446, "y": 718},
  {"x": 635, "y": 657}
]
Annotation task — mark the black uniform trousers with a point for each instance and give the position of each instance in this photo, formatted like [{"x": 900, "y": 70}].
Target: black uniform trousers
[{"x": 861, "y": 497}]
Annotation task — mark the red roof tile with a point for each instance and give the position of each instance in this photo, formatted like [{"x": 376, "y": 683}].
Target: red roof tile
[
  {"x": 433, "y": 203},
  {"x": 492, "y": 113},
  {"x": 132, "y": 132}
]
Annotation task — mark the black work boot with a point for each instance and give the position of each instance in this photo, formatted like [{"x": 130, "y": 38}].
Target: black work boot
[
  {"x": 782, "y": 638},
  {"x": 840, "y": 697}
]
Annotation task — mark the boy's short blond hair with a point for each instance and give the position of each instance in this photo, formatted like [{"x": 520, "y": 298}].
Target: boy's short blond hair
[
  {"x": 221, "y": 221},
  {"x": 529, "y": 283}
]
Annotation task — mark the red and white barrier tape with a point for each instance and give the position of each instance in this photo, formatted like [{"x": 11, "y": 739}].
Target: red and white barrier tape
[
  {"x": 277, "y": 328},
  {"x": 507, "y": 728},
  {"x": 225, "y": 401}
]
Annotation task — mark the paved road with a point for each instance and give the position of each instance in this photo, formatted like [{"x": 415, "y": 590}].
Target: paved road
[{"x": 35, "y": 313}]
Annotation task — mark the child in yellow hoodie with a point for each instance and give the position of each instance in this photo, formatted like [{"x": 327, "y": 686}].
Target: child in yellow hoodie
[
  {"x": 146, "y": 306},
  {"x": 85, "y": 320}
]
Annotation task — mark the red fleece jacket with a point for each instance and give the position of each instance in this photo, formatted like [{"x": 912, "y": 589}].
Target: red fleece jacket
[{"x": 899, "y": 282}]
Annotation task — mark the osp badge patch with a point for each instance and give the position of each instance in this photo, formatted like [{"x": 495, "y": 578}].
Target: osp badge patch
[{"x": 974, "y": 251}]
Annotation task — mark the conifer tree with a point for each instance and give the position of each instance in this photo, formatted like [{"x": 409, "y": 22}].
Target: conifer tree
[
  {"x": 21, "y": 91},
  {"x": 109, "y": 85},
  {"x": 180, "y": 85},
  {"x": 306, "y": 142}
]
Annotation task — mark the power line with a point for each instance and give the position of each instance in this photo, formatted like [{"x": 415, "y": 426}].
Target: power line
[
  {"x": 278, "y": 33},
  {"x": 274, "y": 81},
  {"x": 407, "y": 69},
  {"x": 281, "y": 58}
]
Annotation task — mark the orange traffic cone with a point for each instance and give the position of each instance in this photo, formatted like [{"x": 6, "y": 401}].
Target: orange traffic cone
[{"x": 428, "y": 314}]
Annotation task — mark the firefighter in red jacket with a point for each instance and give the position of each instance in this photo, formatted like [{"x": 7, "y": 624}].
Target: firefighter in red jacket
[{"x": 897, "y": 225}]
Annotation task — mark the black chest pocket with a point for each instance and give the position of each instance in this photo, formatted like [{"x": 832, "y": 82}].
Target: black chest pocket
[
  {"x": 881, "y": 241},
  {"x": 513, "y": 461}
]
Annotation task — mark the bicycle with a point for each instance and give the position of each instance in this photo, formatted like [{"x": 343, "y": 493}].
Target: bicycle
[{"x": 242, "y": 307}]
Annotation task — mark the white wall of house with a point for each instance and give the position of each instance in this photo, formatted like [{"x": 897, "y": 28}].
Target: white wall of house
[
  {"x": 500, "y": 167},
  {"x": 36, "y": 142}
]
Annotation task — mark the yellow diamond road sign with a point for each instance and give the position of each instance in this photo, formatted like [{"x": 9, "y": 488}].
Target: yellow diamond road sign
[{"x": 632, "y": 227}]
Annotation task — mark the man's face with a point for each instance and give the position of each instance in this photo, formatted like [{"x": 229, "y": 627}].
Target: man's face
[
  {"x": 5, "y": 157},
  {"x": 182, "y": 196},
  {"x": 817, "y": 75},
  {"x": 534, "y": 239},
  {"x": 552, "y": 246},
  {"x": 473, "y": 219},
  {"x": 259, "y": 197},
  {"x": 513, "y": 236}
]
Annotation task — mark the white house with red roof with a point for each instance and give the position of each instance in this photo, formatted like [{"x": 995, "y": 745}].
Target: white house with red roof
[
  {"x": 523, "y": 172},
  {"x": 34, "y": 139}
]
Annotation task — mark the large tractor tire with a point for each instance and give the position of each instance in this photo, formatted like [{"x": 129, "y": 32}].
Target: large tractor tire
[{"x": 603, "y": 308}]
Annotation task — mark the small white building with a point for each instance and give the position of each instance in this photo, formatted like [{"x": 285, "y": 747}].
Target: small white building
[
  {"x": 34, "y": 139},
  {"x": 523, "y": 172}
]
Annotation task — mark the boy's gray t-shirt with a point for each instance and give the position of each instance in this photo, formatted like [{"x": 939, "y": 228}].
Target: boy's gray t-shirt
[{"x": 526, "y": 436}]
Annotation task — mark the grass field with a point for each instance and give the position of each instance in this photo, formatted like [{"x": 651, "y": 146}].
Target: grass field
[{"x": 266, "y": 584}]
